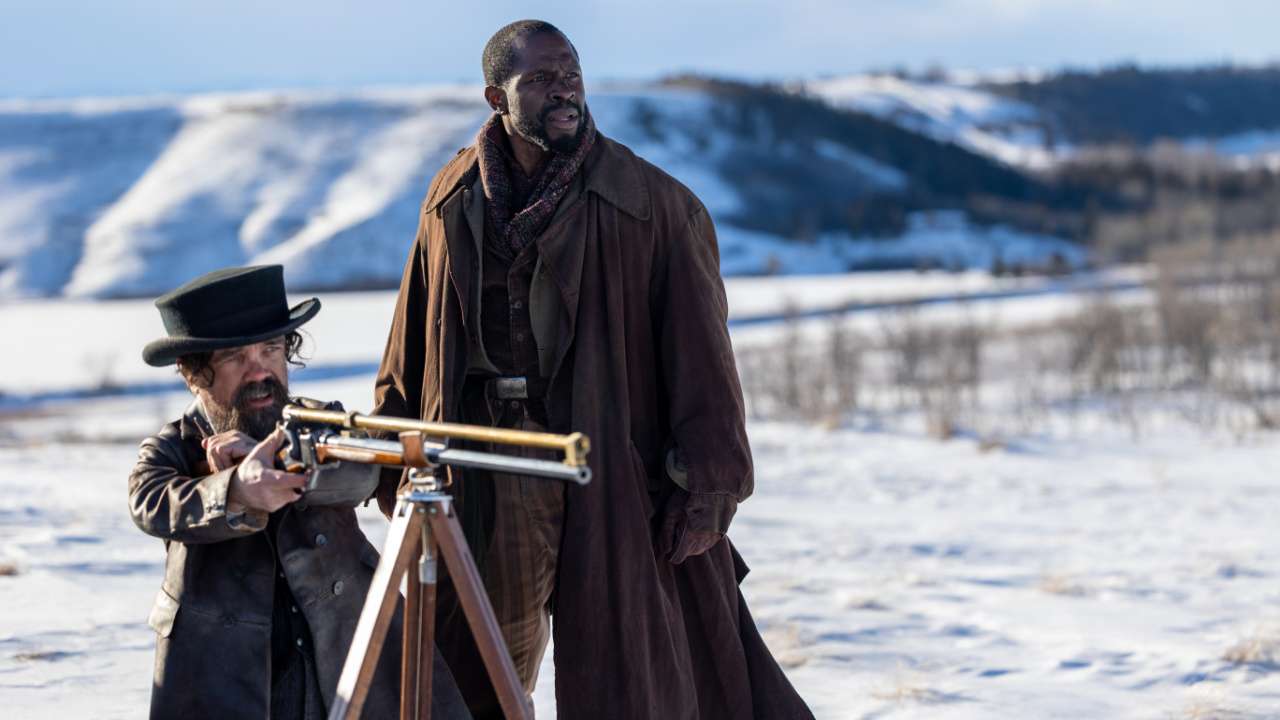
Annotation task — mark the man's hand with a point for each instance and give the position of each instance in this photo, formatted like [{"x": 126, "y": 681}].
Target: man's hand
[
  {"x": 258, "y": 484},
  {"x": 676, "y": 538},
  {"x": 225, "y": 449}
]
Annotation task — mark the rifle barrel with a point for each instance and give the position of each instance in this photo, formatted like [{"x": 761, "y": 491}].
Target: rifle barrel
[
  {"x": 387, "y": 452},
  {"x": 574, "y": 446}
]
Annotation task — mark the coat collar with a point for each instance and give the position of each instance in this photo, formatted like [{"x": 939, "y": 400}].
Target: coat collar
[
  {"x": 610, "y": 170},
  {"x": 613, "y": 172},
  {"x": 195, "y": 424}
]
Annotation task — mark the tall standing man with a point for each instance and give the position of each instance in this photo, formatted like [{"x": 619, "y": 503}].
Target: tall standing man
[
  {"x": 263, "y": 584},
  {"x": 560, "y": 282}
]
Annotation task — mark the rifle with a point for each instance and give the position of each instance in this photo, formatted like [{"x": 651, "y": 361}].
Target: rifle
[
  {"x": 424, "y": 527},
  {"x": 316, "y": 438}
]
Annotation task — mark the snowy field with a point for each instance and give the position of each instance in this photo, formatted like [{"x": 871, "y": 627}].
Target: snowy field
[{"x": 1076, "y": 573}]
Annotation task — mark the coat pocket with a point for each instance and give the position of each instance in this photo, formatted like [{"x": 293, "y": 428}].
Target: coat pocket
[{"x": 162, "y": 613}]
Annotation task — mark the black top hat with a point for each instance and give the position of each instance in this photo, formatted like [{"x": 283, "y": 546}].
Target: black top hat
[{"x": 225, "y": 309}]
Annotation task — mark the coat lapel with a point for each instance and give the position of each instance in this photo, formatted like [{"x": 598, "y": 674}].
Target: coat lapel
[
  {"x": 460, "y": 244},
  {"x": 610, "y": 173}
]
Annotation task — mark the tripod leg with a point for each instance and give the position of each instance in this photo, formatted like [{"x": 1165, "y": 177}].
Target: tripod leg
[
  {"x": 409, "y": 655},
  {"x": 379, "y": 607},
  {"x": 427, "y": 633},
  {"x": 419, "y": 634},
  {"x": 475, "y": 604}
]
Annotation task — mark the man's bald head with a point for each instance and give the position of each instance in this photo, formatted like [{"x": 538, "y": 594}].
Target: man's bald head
[{"x": 499, "y": 58}]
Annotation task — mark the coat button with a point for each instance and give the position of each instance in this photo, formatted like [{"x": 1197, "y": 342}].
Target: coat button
[
  {"x": 227, "y": 621},
  {"x": 337, "y": 588},
  {"x": 519, "y": 337},
  {"x": 321, "y": 541},
  {"x": 239, "y": 571},
  {"x": 515, "y": 403},
  {"x": 519, "y": 304}
]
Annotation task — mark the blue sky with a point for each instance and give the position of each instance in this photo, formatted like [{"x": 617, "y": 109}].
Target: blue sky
[{"x": 112, "y": 47}]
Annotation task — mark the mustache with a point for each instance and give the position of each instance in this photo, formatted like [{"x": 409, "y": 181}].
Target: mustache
[
  {"x": 546, "y": 111},
  {"x": 269, "y": 387}
]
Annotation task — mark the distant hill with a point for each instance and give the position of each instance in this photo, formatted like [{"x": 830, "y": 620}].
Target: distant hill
[
  {"x": 1130, "y": 105},
  {"x": 131, "y": 197}
]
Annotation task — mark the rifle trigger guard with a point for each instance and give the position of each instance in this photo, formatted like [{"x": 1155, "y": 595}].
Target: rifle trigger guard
[{"x": 414, "y": 457}]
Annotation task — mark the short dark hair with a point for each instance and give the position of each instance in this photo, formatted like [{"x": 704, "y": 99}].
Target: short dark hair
[
  {"x": 196, "y": 365},
  {"x": 499, "y": 59}
]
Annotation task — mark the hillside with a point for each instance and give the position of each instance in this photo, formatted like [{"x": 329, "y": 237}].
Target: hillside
[
  {"x": 128, "y": 197},
  {"x": 118, "y": 198},
  {"x": 1130, "y": 105}
]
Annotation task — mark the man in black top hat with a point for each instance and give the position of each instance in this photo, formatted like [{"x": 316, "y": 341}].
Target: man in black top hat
[{"x": 264, "y": 583}]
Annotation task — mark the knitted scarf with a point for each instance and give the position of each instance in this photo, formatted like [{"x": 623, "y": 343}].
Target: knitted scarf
[{"x": 518, "y": 227}]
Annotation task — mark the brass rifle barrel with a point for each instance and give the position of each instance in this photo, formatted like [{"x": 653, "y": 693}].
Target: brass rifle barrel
[{"x": 574, "y": 446}]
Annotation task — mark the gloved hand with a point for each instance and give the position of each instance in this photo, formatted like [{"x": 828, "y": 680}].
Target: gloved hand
[{"x": 692, "y": 524}]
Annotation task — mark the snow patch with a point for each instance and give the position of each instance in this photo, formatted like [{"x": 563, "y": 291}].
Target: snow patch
[{"x": 1007, "y": 130}]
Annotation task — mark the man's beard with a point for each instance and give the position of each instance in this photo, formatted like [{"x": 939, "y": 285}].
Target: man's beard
[
  {"x": 257, "y": 423},
  {"x": 535, "y": 129}
]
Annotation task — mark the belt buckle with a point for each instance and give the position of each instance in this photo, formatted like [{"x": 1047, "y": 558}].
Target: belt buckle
[{"x": 511, "y": 388}]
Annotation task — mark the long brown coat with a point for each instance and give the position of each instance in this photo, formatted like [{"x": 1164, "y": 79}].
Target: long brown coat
[
  {"x": 213, "y": 612},
  {"x": 643, "y": 359}
]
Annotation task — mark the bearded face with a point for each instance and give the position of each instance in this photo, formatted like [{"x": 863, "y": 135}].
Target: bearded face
[
  {"x": 535, "y": 128},
  {"x": 544, "y": 98},
  {"x": 242, "y": 388},
  {"x": 246, "y": 412}
]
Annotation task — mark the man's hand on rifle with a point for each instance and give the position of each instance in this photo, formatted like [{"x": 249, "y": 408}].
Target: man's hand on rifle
[
  {"x": 258, "y": 484},
  {"x": 226, "y": 449}
]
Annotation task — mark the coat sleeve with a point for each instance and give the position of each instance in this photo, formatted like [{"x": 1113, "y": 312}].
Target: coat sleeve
[
  {"x": 170, "y": 505},
  {"x": 707, "y": 414},
  {"x": 398, "y": 389}
]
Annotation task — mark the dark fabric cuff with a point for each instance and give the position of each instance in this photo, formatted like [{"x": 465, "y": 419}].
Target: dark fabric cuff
[{"x": 710, "y": 513}]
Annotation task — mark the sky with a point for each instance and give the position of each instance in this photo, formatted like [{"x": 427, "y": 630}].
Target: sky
[{"x": 59, "y": 48}]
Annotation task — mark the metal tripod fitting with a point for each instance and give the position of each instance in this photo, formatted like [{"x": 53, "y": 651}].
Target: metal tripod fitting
[{"x": 424, "y": 480}]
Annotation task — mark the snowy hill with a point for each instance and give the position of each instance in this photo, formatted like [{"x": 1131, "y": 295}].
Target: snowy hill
[
  {"x": 129, "y": 197},
  {"x": 1035, "y": 120},
  {"x": 975, "y": 118}
]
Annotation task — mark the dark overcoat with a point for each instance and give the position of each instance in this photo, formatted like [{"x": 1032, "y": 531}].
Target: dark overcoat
[
  {"x": 213, "y": 612},
  {"x": 643, "y": 360}
]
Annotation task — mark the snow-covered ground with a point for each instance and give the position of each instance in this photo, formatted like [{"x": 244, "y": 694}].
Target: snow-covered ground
[
  {"x": 88, "y": 346},
  {"x": 1077, "y": 573}
]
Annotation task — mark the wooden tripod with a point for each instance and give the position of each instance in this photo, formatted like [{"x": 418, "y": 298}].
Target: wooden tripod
[{"x": 424, "y": 525}]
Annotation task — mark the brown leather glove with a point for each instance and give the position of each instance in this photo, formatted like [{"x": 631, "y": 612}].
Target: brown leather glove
[{"x": 693, "y": 524}]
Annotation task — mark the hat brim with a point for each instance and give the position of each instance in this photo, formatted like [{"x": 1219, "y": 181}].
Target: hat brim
[{"x": 167, "y": 350}]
